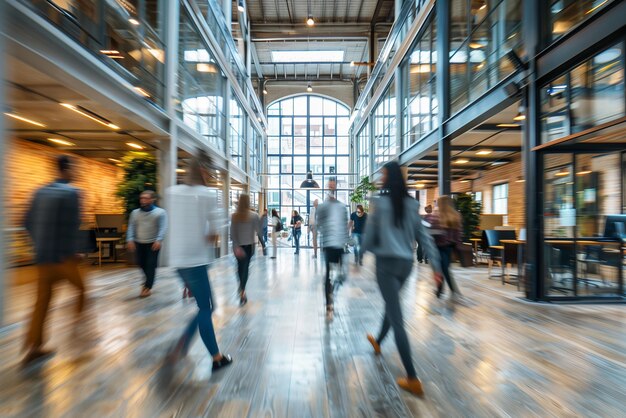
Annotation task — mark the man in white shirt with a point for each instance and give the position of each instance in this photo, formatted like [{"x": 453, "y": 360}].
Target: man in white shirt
[{"x": 195, "y": 223}]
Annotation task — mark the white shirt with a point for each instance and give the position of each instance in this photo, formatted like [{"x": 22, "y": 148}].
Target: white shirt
[
  {"x": 194, "y": 215},
  {"x": 312, "y": 216}
]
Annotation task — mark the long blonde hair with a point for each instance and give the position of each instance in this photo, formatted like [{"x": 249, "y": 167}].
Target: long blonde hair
[
  {"x": 449, "y": 217},
  {"x": 242, "y": 213}
]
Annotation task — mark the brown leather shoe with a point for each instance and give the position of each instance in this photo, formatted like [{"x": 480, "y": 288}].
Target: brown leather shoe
[
  {"x": 35, "y": 355},
  {"x": 411, "y": 384},
  {"x": 374, "y": 343}
]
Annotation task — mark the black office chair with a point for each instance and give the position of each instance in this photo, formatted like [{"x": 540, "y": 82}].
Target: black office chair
[{"x": 560, "y": 269}]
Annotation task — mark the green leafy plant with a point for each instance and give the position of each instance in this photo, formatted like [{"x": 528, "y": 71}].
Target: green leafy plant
[
  {"x": 470, "y": 210},
  {"x": 362, "y": 190},
  {"x": 140, "y": 173}
]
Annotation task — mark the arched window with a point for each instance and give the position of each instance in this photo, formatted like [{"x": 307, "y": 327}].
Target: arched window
[{"x": 306, "y": 132}]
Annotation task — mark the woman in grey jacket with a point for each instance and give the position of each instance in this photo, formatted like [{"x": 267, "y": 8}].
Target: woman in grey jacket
[
  {"x": 393, "y": 227},
  {"x": 244, "y": 228}
]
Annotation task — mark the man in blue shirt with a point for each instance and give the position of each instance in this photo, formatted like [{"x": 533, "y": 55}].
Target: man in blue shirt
[{"x": 146, "y": 230}]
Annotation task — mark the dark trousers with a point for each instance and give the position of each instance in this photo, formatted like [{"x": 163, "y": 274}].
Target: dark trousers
[
  {"x": 147, "y": 260},
  {"x": 197, "y": 280},
  {"x": 391, "y": 274},
  {"x": 243, "y": 266},
  {"x": 331, "y": 255},
  {"x": 446, "y": 257},
  {"x": 420, "y": 253}
]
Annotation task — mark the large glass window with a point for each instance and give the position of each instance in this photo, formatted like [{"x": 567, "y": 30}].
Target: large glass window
[
  {"x": 501, "y": 199},
  {"x": 482, "y": 32},
  {"x": 566, "y": 14},
  {"x": 363, "y": 144},
  {"x": 385, "y": 128},
  {"x": 589, "y": 95},
  {"x": 312, "y": 133},
  {"x": 236, "y": 125},
  {"x": 420, "y": 103},
  {"x": 200, "y": 86}
]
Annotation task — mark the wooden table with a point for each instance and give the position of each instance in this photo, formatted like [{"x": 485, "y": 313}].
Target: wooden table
[
  {"x": 107, "y": 240},
  {"x": 475, "y": 242}
]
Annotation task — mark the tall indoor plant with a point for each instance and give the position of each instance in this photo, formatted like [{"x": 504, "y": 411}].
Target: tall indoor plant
[
  {"x": 140, "y": 173},
  {"x": 361, "y": 192},
  {"x": 470, "y": 211}
]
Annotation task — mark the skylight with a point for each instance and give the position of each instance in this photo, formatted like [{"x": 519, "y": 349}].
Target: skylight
[{"x": 307, "y": 56}]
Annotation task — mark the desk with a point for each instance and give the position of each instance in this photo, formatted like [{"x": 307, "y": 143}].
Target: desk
[
  {"x": 107, "y": 240},
  {"x": 520, "y": 247}
]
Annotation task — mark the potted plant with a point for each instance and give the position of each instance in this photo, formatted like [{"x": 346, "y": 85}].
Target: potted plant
[
  {"x": 140, "y": 174},
  {"x": 470, "y": 211},
  {"x": 361, "y": 192}
]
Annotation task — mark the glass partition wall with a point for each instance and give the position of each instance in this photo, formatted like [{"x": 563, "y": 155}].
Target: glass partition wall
[{"x": 306, "y": 133}]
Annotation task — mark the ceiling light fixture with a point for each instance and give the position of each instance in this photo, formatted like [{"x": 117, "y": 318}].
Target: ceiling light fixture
[
  {"x": 240, "y": 6},
  {"x": 520, "y": 179},
  {"x": 115, "y": 160},
  {"x": 309, "y": 183},
  {"x": 109, "y": 51},
  {"x": 585, "y": 170},
  {"x": 23, "y": 119},
  {"x": 561, "y": 173},
  {"x": 483, "y": 7},
  {"x": 133, "y": 145},
  {"x": 204, "y": 67},
  {"x": 484, "y": 152},
  {"x": 520, "y": 116},
  {"x": 181, "y": 170},
  {"x": 61, "y": 142},
  {"x": 461, "y": 161},
  {"x": 465, "y": 181},
  {"x": 264, "y": 91},
  {"x": 134, "y": 21},
  {"x": 309, "y": 88},
  {"x": 90, "y": 115},
  {"x": 476, "y": 45},
  {"x": 310, "y": 21},
  {"x": 508, "y": 125}
]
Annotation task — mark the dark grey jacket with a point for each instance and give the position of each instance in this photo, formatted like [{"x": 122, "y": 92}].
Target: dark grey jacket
[
  {"x": 385, "y": 239},
  {"x": 53, "y": 222}
]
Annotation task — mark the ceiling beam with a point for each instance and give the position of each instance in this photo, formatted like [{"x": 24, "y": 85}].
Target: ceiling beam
[{"x": 497, "y": 148}]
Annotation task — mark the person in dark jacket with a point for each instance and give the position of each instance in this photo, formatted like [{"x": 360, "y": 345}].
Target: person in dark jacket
[{"x": 53, "y": 221}]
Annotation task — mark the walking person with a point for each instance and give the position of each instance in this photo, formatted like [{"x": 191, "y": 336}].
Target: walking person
[
  {"x": 53, "y": 221},
  {"x": 244, "y": 228},
  {"x": 277, "y": 227},
  {"x": 296, "y": 224},
  {"x": 358, "y": 219},
  {"x": 446, "y": 228},
  {"x": 263, "y": 233},
  {"x": 332, "y": 221},
  {"x": 195, "y": 225},
  {"x": 313, "y": 226},
  {"x": 393, "y": 228},
  {"x": 421, "y": 257},
  {"x": 146, "y": 229}
]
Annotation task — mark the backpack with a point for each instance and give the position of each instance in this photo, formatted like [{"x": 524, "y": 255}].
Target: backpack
[{"x": 279, "y": 226}]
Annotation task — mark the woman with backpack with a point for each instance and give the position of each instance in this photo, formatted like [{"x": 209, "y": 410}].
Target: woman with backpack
[{"x": 277, "y": 227}]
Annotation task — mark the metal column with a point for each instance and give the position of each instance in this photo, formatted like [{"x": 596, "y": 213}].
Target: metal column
[
  {"x": 2, "y": 156},
  {"x": 443, "y": 94}
]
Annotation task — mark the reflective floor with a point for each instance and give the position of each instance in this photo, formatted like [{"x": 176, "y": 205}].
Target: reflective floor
[{"x": 497, "y": 356}]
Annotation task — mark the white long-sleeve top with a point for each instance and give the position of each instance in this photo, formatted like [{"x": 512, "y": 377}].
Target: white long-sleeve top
[{"x": 194, "y": 215}]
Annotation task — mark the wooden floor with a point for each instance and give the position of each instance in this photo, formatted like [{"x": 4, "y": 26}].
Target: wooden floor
[{"x": 497, "y": 357}]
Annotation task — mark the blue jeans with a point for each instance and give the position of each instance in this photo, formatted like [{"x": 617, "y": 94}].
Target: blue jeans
[
  {"x": 297, "y": 233},
  {"x": 446, "y": 258},
  {"x": 358, "y": 256},
  {"x": 197, "y": 280}
]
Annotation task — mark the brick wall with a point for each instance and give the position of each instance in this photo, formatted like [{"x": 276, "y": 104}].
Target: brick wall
[
  {"x": 28, "y": 166},
  {"x": 508, "y": 173}
]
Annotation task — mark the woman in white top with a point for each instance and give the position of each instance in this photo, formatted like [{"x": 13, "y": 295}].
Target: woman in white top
[{"x": 275, "y": 231}]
